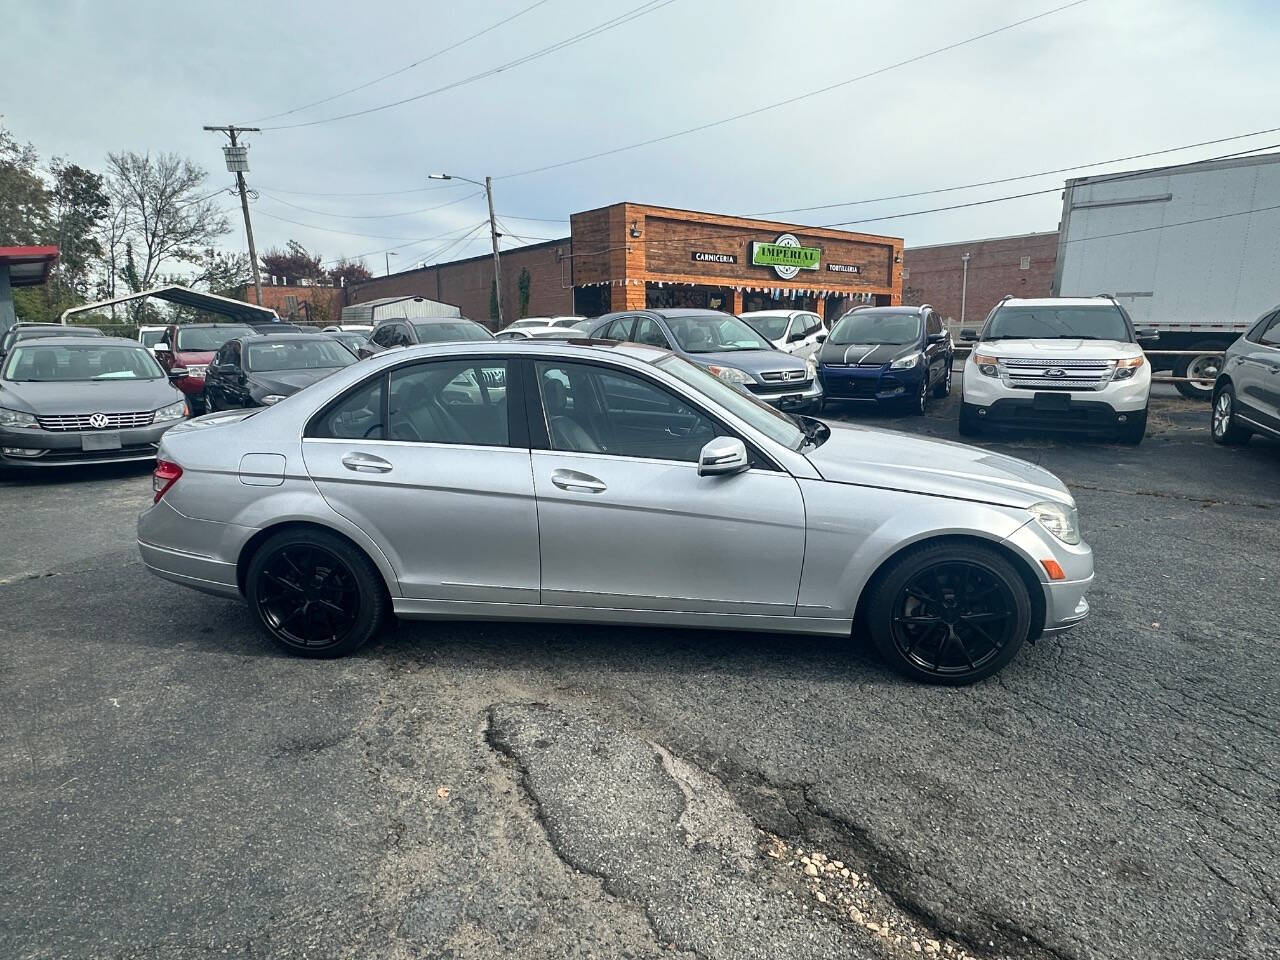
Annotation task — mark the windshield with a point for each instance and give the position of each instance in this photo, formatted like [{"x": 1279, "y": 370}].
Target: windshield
[
  {"x": 773, "y": 424},
  {"x": 149, "y": 338},
  {"x": 712, "y": 333},
  {"x": 44, "y": 363},
  {"x": 452, "y": 330},
  {"x": 772, "y": 327},
  {"x": 1103, "y": 322},
  {"x": 869, "y": 326},
  {"x": 296, "y": 354},
  {"x": 209, "y": 339}
]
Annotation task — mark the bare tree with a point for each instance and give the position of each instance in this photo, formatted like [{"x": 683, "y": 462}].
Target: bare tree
[{"x": 163, "y": 211}]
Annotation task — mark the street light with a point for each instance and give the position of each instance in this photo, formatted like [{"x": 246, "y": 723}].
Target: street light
[
  {"x": 493, "y": 231},
  {"x": 964, "y": 285},
  {"x": 386, "y": 257}
]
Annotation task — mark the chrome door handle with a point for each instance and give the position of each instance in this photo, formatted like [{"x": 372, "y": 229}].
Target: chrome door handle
[
  {"x": 573, "y": 480},
  {"x": 366, "y": 463}
]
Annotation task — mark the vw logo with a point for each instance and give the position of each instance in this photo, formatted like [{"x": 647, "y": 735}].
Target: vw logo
[
  {"x": 1055, "y": 372},
  {"x": 98, "y": 421}
]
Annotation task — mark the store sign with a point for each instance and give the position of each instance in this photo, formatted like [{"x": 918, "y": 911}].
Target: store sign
[
  {"x": 844, "y": 267},
  {"x": 786, "y": 255},
  {"x": 703, "y": 256}
]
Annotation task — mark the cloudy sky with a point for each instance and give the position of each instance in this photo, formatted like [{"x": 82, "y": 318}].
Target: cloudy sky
[{"x": 1103, "y": 79}]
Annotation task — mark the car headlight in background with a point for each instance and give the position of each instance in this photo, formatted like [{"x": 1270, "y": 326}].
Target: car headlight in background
[
  {"x": 905, "y": 363},
  {"x": 1128, "y": 367},
  {"x": 174, "y": 411},
  {"x": 16, "y": 418},
  {"x": 811, "y": 366},
  {"x": 987, "y": 366},
  {"x": 271, "y": 398},
  {"x": 731, "y": 374},
  {"x": 1059, "y": 519}
]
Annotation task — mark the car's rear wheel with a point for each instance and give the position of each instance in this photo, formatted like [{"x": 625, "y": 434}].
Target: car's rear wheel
[
  {"x": 315, "y": 594},
  {"x": 943, "y": 387},
  {"x": 949, "y": 614},
  {"x": 1224, "y": 425}
]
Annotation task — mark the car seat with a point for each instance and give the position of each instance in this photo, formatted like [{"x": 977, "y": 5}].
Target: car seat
[{"x": 566, "y": 432}]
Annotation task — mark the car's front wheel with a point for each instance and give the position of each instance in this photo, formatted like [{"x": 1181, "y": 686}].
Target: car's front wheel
[
  {"x": 920, "y": 402},
  {"x": 315, "y": 594},
  {"x": 952, "y": 613}
]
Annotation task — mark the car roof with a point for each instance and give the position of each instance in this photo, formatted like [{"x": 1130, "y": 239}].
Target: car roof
[
  {"x": 82, "y": 340},
  {"x": 772, "y": 313},
  {"x": 1057, "y": 302},
  {"x": 575, "y": 347},
  {"x": 205, "y": 326},
  {"x": 286, "y": 337}
]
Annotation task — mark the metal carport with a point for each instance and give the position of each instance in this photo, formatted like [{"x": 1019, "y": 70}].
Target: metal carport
[{"x": 174, "y": 293}]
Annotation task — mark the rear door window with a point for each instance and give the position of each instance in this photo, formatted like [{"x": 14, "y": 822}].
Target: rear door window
[{"x": 450, "y": 401}]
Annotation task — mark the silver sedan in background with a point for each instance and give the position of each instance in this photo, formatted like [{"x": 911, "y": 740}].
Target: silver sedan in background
[{"x": 548, "y": 480}]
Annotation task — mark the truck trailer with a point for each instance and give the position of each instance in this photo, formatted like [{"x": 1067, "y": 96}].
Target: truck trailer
[{"x": 1191, "y": 250}]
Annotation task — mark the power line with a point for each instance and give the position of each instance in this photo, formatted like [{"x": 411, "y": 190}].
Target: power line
[
  {"x": 370, "y": 216},
  {"x": 346, "y": 233},
  {"x": 795, "y": 99},
  {"x": 648, "y": 7},
  {"x": 412, "y": 243},
  {"x": 383, "y": 193},
  {"x": 1178, "y": 223},
  {"x": 417, "y": 63},
  {"x": 1025, "y": 176}
]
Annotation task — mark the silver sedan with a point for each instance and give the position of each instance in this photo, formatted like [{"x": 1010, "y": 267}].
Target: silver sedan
[{"x": 544, "y": 480}]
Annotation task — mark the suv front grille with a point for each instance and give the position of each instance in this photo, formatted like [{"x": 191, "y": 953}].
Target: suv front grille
[
  {"x": 1028, "y": 373},
  {"x": 783, "y": 376},
  {"x": 80, "y": 421}
]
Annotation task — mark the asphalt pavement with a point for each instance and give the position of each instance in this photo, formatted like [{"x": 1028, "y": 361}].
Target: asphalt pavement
[{"x": 171, "y": 786}]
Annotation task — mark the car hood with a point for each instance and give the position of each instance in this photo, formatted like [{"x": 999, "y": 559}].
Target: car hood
[
  {"x": 1075, "y": 349},
  {"x": 754, "y": 362},
  {"x": 846, "y": 354},
  {"x": 873, "y": 457},
  {"x": 286, "y": 382},
  {"x": 88, "y": 396}
]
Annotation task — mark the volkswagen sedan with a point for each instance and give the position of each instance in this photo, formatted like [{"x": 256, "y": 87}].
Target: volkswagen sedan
[{"x": 549, "y": 480}]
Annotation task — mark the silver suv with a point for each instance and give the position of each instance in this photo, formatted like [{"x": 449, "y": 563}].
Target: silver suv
[{"x": 1246, "y": 395}]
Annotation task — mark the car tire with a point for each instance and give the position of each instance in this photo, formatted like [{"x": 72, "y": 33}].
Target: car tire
[
  {"x": 1209, "y": 361},
  {"x": 315, "y": 594},
  {"x": 1134, "y": 429},
  {"x": 943, "y": 387},
  {"x": 1224, "y": 425},
  {"x": 970, "y": 425},
  {"x": 920, "y": 402},
  {"x": 949, "y": 613}
]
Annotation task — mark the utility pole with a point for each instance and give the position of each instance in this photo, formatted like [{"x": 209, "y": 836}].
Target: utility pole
[
  {"x": 238, "y": 163},
  {"x": 386, "y": 258},
  {"x": 493, "y": 231},
  {"x": 964, "y": 285}
]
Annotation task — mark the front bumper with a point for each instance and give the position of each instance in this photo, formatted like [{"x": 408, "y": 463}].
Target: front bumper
[
  {"x": 1065, "y": 605},
  {"x": 1063, "y": 412},
  {"x": 61, "y": 448},
  {"x": 869, "y": 383},
  {"x": 801, "y": 396},
  {"x": 1120, "y": 396}
]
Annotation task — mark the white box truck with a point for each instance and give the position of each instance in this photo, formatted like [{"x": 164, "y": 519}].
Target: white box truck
[{"x": 1192, "y": 250}]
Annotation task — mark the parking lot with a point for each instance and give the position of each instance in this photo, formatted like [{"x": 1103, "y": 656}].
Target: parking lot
[{"x": 174, "y": 787}]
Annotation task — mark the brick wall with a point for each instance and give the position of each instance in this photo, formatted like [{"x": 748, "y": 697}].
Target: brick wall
[
  {"x": 324, "y": 303},
  {"x": 935, "y": 274},
  {"x": 466, "y": 283}
]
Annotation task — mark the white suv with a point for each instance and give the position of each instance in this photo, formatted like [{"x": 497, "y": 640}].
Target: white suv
[{"x": 1067, "y": 363}]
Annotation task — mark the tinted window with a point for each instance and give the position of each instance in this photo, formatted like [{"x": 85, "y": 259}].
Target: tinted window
[
  {"x": 772, "y": 327},
  {"x": 450, "y": 331},
  {"x": 357, "y": 416},
  {"x": 296, "y": 354},
  {"x": 620, "y": 329},
  {"x": 454, "y": 401},
  {"x": 50, "y": 362},
  {"x": 932, "y": 324},
  {"x": 149, "y": 338},
  {"x": 1269, "y": 334},
  {"x": 648, "y": 332},
  {"x": 208, "y": 339},
  {"x": 813, "y": 325},
  {"x": 774, "y": 424},
  {"x": 872, "y": 327},
  {"x": 591, "y": 409},
  {"x": 381, "y": 336},
  {"x": 1103, "y": 322}
]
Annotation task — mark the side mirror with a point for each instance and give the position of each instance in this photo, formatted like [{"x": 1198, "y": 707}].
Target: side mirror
[
  {"x": 821, "y": 338},
  {"x": 1147, "y": 334},
  {"x": 795, "y": 337},
  {"x": 176, "y": 373},
  {"x": 937, "y": 338},
  {"x": 969, "y": 334},
  {"x": 722, "y": 456}
]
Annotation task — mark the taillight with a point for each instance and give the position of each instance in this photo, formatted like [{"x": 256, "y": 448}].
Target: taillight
[{"x": 164, "y": 476}]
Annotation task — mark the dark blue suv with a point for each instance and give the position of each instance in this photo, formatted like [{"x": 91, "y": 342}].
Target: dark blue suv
[{"x": 898, "y": 355}]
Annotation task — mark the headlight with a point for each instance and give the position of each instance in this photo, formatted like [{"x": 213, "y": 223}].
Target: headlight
[
  {"x": 16, "y": 418},
  {"x": 905, "y": 363},
  {"x": 731, "y": 374},
  {"x": 1126, "y": 368},
  {"x": 174, "y": 411},
  {"x": 271, "y": 398},
  {"x": 987, "y": 366},
  {"x": 811, "y": 366},
  {"x": 1059, "y": 519}
]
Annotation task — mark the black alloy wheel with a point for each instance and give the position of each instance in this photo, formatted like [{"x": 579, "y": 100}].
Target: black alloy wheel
[
  {"x": 950, "y": 614},
  {"x": 315, "y": 594},
  {"x": 920, "y": 402}
]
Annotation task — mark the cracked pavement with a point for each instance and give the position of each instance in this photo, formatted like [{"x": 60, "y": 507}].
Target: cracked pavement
[{"x": 171, "y": 787}]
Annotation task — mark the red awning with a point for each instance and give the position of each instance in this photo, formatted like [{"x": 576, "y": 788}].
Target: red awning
[{"x": 28, "y": 266}]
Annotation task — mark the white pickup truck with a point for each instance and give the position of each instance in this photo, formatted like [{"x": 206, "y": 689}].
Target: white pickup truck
[{"x": 1057, "y": 363}]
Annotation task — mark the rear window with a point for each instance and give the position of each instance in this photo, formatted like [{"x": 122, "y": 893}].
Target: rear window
[
  {"x": 451, "y": 331},
  {"x": 209, "y": 339}
]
